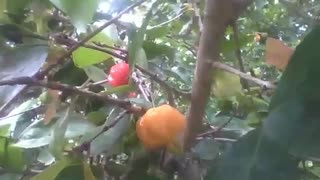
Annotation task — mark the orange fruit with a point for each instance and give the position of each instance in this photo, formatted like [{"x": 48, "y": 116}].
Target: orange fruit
[{"x": 160, "y": 127}]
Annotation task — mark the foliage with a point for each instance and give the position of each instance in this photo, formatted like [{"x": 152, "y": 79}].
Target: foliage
[{"x": 74, "y": 124}]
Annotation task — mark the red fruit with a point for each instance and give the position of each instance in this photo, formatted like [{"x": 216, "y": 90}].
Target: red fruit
[{"x": 119, "y": 74}]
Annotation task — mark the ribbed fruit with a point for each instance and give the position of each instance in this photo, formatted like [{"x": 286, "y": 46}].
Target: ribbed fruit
[{"x": 160, "y": 127}]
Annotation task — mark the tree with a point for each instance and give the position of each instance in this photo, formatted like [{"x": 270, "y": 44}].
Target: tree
[{"x": 77, "y": 77}]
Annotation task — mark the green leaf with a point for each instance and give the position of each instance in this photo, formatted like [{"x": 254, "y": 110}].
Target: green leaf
[
  {"x": 300, "y": 76},
  {"x": 16, "y": 119},
  {"x": 16, "y": 9},
  {"x": 154, "y": 50},
  {"x": 38, "y": 134},
  {"x": 228, "y": 45},
  {"x": 83, "y": 57},
  {"x": 136, "y": 38},
  {"x": 141, "y": 102},
  {"x": 20, "y": 61},
  {"x": 107, "y": 141},
  {"x": 255, "y": 157},
  {"x": 293, "y": 118},
  {"x": 97, "y": 117},
  {"x": 80, "y": 13},
  {"x": 72, "y": 172},
  {"x": 52, "y": 172},
  {"x": 157, "y": 32},
  {"x": 207, "y": 149},
  {"x": 87, "y": 172},
  {"x": 226, "y": 84},
  {"x": 58, "y": 140},
  {"x": 95, "y": 74},
  {"x": 141, "y": 59},
  {"x": 16, "y": 159}
]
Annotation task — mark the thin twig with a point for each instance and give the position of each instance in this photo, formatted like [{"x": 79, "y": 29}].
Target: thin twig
[
  {"x": 164, "y": 84},
  {"x": 41, "y": 74},
  {"x": 216, "y": 130},
  {"x": 262, "y": 83},
  {"x": 110, "y": 47}
]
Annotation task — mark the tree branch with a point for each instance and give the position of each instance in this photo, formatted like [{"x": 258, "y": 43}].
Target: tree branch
[
  {"x": 218, "y": 15},
  {"x": 67, "y": 88},
  {"x": 262, "y": 83}
]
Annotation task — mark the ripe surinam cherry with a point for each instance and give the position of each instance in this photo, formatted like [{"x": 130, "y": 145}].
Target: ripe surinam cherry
[{"x": 119, "y": 74}]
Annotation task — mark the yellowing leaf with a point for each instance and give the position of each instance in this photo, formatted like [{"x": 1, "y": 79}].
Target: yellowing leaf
[
  {"x": 277, "y": 53},
  {"x": 226, "y": 84}
]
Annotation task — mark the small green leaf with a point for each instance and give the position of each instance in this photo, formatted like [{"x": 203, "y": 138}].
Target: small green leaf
[
  {"x": 142, "y": 58},
  {"x": 80, "y": 12},
  {"x": 157, "y": 32},
  {"x": 95, "y": 74},
  {"x": 58, "y": 140},
  {"x": 154, "y": 50},
  {"x": 97, "y": 117},
  {"x": 83, "y": 57}
]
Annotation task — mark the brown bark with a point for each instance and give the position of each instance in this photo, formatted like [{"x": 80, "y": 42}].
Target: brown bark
[{"x": 218, "y": 15}]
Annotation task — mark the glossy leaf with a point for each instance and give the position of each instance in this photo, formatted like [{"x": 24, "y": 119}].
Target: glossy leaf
[
  {"x": 255, "y": 157},
  {"x": 20, "y": 61},
  {"x": 207, "y": 149},
  {"x": 84, "y": 57},
  {"x": 38, "y": 134},
  {"x": 96, "y": 74},
  {"x": 17, "y": 119},
  {"x": 108, "y": 140}
]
